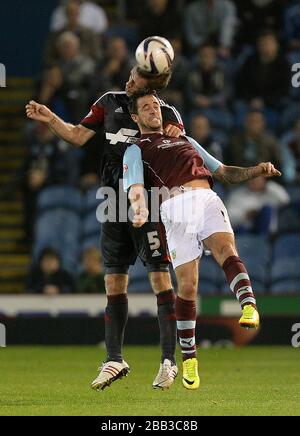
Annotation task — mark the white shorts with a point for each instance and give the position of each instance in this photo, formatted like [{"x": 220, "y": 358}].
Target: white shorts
[{"x": 189, "y": 219}]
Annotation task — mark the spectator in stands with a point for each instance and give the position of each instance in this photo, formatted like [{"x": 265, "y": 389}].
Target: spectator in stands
[
  {"x": 48, "y": 277},
  {"x": 174, "y": 93},
  {"x": 291, "y": 155},
  {"x": 211, "y": 20},
  {"x": 208, "y": 87},
  {"x": 49, "y": 161},
  {"x": 114, "y": 70},
  {"x": 253, "y": 207},
  {"x": 89, "y": 40},
  {"x": 292, "y": 26},
  {"x": 91, "y": 280},
  {"x": 159, "y": 17},
  {"x": 91, "y": 16},
  {"x": 254, "y": 144},
  {"x": 67, "y": 82},
  {"x": 256, "y": 15},
  {"x": 200, "y": 130},
  {"x": 264, "y": 80}
]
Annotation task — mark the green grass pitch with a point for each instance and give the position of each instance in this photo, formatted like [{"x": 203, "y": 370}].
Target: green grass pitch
[{"x": 56, "y": 381}]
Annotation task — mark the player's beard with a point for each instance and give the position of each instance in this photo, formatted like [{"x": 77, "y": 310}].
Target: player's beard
[{"x": 151, "y": 127}]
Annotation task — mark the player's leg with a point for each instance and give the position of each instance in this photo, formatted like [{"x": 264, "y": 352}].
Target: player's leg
[
  {"x": 221, "y": 242},
  {"x": 186, "y": 315},
  {"x": 118, "y": 253},
  {"x": 185, "y": 249},
  {"x": 150, "y": 243},
  {"x": 161, "y": 284}
]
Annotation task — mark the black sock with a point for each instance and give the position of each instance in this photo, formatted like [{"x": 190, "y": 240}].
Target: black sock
[
  {"x": 116, "y": 315},
  {"x": 167, "y": 324}
]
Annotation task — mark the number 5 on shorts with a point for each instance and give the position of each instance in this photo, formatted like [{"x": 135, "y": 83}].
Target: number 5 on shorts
[{"x": 153, "y": 240}]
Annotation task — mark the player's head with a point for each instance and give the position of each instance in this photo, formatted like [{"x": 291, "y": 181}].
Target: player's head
[
  {"x": 140, "y": 81},
  {"x": 146, "y": 112}
]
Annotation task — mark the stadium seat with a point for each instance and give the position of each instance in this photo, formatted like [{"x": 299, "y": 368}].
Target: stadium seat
[
  {"x": 59, "y": 229},
  {"x": 287, "y": 246},
  {"x": 251, "y": 247},
  {"x": 91, "y": 226},
  {"x": 60, "y": 197},
  {"x": 286, "y": 287},
  {"x": 294, "y": 193},
  {"x": 207, "y": 288},
  {"x": 138, "y": 278},
  {"x": 90, "y": 201},
  {"x": 91, "y": 241},
  {"x": 210, "y": 271},
  {"x": 289, "y": 218},
  {"x": 285, "y": 269}
]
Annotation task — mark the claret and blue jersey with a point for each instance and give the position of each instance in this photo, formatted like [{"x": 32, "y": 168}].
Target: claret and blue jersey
[{"x": 166, "y": 162}]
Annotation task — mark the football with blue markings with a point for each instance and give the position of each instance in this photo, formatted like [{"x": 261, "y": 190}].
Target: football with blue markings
[{"x": 155, "y": 55}]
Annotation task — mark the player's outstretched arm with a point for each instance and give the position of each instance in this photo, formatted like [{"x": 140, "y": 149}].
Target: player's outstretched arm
[
  {"x": 76, "y": 135},
  {"x": 138, "y": 203},
  {"x": 233, "y": 175}
]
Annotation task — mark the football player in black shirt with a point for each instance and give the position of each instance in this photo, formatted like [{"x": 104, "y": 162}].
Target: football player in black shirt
[{"x": 121, "y": 243}]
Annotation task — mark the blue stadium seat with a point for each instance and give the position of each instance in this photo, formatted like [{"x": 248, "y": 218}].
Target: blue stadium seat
[
  {"x": 251, "y": 247},
  {"x": 91, "y": 226},
  {"x": 207, "y": 288},
  {"x": 286, "y": 287},
  {"x": 287, "y": 246},
  {"x": 60, "y": 197},
  {"x": 294, "y": 193},
  {"x": 90, "y": 202},
  {"x": 285, "y": 269},
  {"x": 91, "y": 241},
  {"x": 138, "y": 278},
  {"x": 210, "y": 271},
  {"x": 59, "y": 229},
  {"x": 289, "y": 218}
]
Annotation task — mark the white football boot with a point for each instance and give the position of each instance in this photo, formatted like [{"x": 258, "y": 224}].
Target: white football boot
[
  {"x": 109, "y": 372},
  {"x": 166, "y": 375}
]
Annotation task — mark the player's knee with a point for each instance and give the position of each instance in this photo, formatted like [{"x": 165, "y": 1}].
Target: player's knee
[
  {"x": 116, "y": 284},
  {"x": 160, "y": 281},
  {"x": 188, "y": 288}
]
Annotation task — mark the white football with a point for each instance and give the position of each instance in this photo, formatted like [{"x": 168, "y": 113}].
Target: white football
[{"x": 155, "y": 55}]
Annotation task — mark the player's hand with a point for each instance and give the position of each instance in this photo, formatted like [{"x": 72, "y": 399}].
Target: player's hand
[
  {"x": 140, "y": 217},
  {"x": 38, "y": 112},
  {"x": 268, "y": 170},
  {"x": 173, "y": 131}
]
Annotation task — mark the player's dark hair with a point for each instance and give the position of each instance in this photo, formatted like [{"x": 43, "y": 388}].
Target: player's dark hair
[
  {"x": 156, "y": 82},
  {"x": 133, "y": 102}
]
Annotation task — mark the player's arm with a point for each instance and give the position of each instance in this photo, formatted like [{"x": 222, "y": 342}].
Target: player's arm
[
  {"x": 173, "y": 124},
  {"x": 133, "y": 180},
  {"x": 210, "y": 162},
  {"x": 232, "y": 175},
  {"x": 76, "y": 135}
]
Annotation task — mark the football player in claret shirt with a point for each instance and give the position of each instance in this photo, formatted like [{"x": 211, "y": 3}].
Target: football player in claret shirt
[{"x": 193, "y": 215}]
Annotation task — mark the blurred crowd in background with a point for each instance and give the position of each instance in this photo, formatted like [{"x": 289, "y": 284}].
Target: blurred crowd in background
[{"x": 232, "y": 83}]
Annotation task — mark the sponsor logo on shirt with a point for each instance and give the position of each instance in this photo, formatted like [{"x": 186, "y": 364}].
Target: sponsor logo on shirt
[{"x": 123, "y": 135}]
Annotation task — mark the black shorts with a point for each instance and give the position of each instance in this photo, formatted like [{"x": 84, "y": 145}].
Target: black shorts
[{"x": 121, "y": 244}]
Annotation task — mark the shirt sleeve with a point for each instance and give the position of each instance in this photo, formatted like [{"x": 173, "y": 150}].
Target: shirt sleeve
[
  {"x": 133, "y": 169},
  {"x": 211, "y": 162},
  {"x": 94, "y": 120},
  {"x": 171, "y": 116}
]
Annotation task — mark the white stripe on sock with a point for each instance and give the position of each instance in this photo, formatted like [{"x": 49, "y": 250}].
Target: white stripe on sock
[
  {"x": 248, "y": 300},
  {"x": 188, "y": 351},
  {"x": 239, "y": 277},
  {"x": 186, "y": 325}
]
